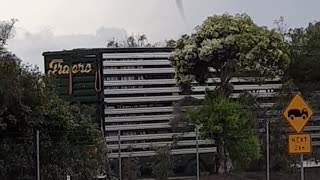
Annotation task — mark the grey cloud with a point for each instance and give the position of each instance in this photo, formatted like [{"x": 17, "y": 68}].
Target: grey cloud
[
  {"x": 30, "y": 46},
  {"x": 158, "y": 19}
]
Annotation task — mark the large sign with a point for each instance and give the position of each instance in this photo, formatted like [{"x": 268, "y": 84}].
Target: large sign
[
  {"x": 56, "y": 66},
  {"x": 299, "y": 144},
  {"x": 297, "y": 113}
]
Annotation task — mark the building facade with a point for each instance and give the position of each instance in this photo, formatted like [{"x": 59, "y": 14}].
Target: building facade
[{"x": 134, "y": 91}]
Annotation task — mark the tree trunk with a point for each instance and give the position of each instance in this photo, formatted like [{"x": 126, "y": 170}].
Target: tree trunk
[
  {"x": 228, "y": 162},
  {"x": 224, "y": 80},
  {"x": 221, "y": 157},
  {"x": 223, "y": 160}
]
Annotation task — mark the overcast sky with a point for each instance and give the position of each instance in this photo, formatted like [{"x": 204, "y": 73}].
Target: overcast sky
[{"x": 48, "y": 25}]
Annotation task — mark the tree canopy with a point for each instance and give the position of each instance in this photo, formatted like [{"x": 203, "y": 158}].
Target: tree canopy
[
  {"x": 69, "y": 143},
  {"x": 6, "y": 28},
  {"x": 231, "y": 126},
  {"x": 162, "y": 166},
  {"x": 232, "y": 46},
  {"x": 139, "y": 41},
  {"x": 225, "y": 47},
  {"x": 304, "y": 46},
  {"x": 131, "y": 42}
]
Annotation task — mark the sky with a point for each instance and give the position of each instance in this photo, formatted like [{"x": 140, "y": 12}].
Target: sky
[{"x": 51, "y": 25}]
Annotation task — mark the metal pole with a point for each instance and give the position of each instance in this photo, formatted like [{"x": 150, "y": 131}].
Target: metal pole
[
  {"x": 197, "y": 152},
  {"x": 119, "y": 150},
  {"x": 268, "y": 151},
  {"x": 38, "y": 155},
  {"x": 301, "y": 167}
]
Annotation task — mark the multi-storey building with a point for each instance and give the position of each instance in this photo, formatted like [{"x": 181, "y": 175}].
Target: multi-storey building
[{"x": 134, "y": 90}]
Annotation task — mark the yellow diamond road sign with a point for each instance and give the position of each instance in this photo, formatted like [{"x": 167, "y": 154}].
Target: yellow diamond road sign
[{"x": 297, "y": 113}]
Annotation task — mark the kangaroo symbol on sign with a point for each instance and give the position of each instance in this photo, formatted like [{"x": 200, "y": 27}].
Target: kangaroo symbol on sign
[{"x": 294, "y": 113}]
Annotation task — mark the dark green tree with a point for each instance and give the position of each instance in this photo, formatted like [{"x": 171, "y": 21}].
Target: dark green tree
[
  {"x": 162, "y": 166},
  {"x": 131, "y": 167},
  {"x": 304, "y": 46},
  {"x": 231, "y": 126},
  {"x": 304, "y": 67},
  {"x": 69, "y": 142}
]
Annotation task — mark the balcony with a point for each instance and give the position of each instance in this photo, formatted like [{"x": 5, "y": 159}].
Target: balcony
[
  {"x": 149, "y": 136},
  {"x": 136, "y": 63},
  {"x": 168, "y": 109},
  {"x": 140, "y": 82},
  {"x": 136, "y": 55},
  {"x": 137, "y": 126},
  {"x": 173, "y": 152},
  {"x": 139, "y": 71},
  {"x": 159, "y": 144},
  {"x": 138, "y": 118}
]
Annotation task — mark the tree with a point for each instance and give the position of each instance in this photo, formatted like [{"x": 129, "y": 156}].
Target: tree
[
  {"x": 304, "y": 46},
  {"x": 304, "y": 67},
  {"x": 162, "y": 166},
  {"x": 278, "y": 128},
  {"x": 232, "y": 46},
  {"x": 70, "y": 143},
  {"x": 6, "y": 28},
  {"x": 225, "y": 47},
  {"x": 139, "y": 41},
  {"x": 131, "y": 167},
  {"x": 281, "y": 27},
  {"x": 273, "y": 115},
  {"x": 113, "y": 43},
  {"x": 171, "y": 43},
  {"x": 231, "y": 126},
  {"x": 131, "y": 41}
]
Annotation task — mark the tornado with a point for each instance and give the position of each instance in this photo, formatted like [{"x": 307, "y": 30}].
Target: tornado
[{"x": 180, "y": 8}]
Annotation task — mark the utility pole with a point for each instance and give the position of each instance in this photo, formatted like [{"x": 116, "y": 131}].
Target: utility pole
[
  {"x": 268, "y": 150},
  {"x": 38, "y": 154},
  {"x": 197, "y": 152},
  {"x": 119, "y": 151},
  {"x": 301, "y": 167}
]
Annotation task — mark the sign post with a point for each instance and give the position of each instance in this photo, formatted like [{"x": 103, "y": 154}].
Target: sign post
[
  {"x": 297, "y": 114},
  {"x": 268, "y": 150},
  {"x": 301, "y": 167},
  {"x": 197, "y": 152}
]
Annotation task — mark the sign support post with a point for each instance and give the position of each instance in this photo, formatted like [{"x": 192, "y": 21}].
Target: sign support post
[
  {"x": 119, "y": 154},
  {"x": 301, "y": 167},
  {"x": 268, "y": 151},
  {"x": 38, "y": 154},
  {"x": 197, "y": 152}
]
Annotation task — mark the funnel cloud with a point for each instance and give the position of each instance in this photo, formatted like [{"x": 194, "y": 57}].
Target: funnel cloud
[{"x": 181, "y": 9}]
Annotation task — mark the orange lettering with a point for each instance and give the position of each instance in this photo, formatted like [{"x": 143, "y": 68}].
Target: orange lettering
[{"x": 56, "y": 66}]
